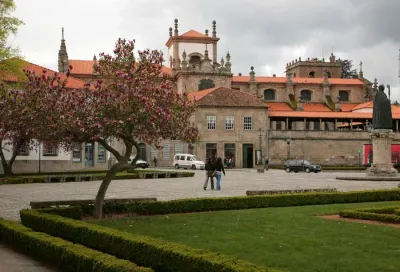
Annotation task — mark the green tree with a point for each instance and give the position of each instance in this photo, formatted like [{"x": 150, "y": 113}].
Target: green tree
[
  {"x": 347, "y": 69},
  {"x": 8, "y": 26}
]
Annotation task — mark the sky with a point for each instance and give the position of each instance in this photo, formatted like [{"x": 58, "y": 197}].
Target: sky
[{"x": 261, "y": 33}]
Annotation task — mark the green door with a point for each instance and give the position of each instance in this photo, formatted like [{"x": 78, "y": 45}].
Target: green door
[{"x": 248, "y": 156}]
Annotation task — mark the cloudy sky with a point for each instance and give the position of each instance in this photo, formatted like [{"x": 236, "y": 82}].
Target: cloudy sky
[{"x": 261, "y": 33}]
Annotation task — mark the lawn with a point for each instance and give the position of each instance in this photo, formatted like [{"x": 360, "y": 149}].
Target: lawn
[{"x": 290, "y": 239}]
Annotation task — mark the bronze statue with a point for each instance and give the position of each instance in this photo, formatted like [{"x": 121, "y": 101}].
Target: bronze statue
[{"x": 382, "y": 112}]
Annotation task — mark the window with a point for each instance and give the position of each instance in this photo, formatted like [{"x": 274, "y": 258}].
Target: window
[
  {"x": 317, "y": 125},
  {"x": 101, "y": 154},
  {"x": 50, "y": 150},
  {"x": 290, "y": 125},
  {"x": 153, "y": 152},
  {"x": 77, "y": 152},
  {"x": 206, "y": 84},
  {"x": 307, "y": 125},
  {"x": 229, "y": 122},
  {"x": 211, "y": 122},
  {"x": 178, "y": 148},
  {"x": 329, "y": 74},
  {"x": 235, "y": 88},
  {"x": 166, "y": 151},
  {"x": 211, "y": 151},
  {"x": 326, "y": 126},
  {"x": 247, "y": 123},
  {"x": 343, "y": 96},
  {"x": 194, "y": 60},
  {"x": 24, "y": 149},
  {"x": 269, "y": 94},
  {"x": 278, "y": 125},
  {"x": 311, "y": 74},
  {"x": 294, "y": 74},
  {"x": 305, "y": 95}
]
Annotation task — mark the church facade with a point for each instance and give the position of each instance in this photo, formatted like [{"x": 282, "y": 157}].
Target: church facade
[{"x": 309, "y": 113}]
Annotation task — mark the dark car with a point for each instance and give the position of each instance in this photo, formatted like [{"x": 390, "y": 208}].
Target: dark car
[
  {"x": 140, "y": 163},
  {"x": 300, "y": 166}
]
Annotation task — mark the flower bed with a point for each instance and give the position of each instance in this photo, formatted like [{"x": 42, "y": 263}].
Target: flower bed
[{"x": 388, "y": 215}]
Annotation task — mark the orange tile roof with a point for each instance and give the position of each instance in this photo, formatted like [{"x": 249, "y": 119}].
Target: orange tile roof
[
  {"x": 348, "y": 106},
  {"x": 38, "y": 70},
  {"x": 369, "y": 104},
  {"x": 194, "y": 34},
  {"x": 300, "y": 80},
  {"x": 200, "y": 94},
  {"x": 278, "y": 106},
  {"x": 85, "y": 67},
  {"x": 224, "y": 97},
  {"x": 317, "y": 107}
]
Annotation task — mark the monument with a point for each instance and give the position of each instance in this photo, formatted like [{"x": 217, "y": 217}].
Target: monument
[{"x": 382, "y": 136}]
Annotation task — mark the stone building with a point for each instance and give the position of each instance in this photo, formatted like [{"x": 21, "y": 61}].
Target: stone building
[{"x": 309, "y": 113}]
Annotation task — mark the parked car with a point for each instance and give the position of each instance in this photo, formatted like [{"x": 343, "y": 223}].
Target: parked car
[
  {"x": 140, "y": 163},
  {"x": 188, "y": 161},
  {"x": 300, "y": 166}
]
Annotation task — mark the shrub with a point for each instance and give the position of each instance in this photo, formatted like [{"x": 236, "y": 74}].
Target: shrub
[
  {"x": 146, "y": 251},
  {"x": 381, "y": 214},
  {"x": 68, "y": 256},
  {"x": 73, "y": 212},
  {"x": 246, "y": 202}
]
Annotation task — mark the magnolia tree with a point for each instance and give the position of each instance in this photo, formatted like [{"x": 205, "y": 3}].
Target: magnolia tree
[
  {"x": 135, "y": 102},
  {"x": 20, "y": 122}
]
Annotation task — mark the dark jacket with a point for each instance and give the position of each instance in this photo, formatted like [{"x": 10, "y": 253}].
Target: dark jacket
[
  {"x": 208, "y": 166},
  {"x": 219, "y": 168}
]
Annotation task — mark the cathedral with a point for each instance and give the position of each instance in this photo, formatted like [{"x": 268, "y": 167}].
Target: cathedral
[{"x": 310, "y": 113}]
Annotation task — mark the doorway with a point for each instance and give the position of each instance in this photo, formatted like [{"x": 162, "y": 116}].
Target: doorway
[
  {"x": 248, "y": 156},
  {"x": 89, "y": 155},
  {"x": 142, "y": 152}
]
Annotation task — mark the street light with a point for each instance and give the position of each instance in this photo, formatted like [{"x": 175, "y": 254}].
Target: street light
[{"x": 288, "y": 140}]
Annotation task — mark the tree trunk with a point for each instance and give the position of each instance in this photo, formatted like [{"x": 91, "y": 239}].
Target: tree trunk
[
  {"x": 7, "y": 168},
  {"x": 98, "y": 206}
]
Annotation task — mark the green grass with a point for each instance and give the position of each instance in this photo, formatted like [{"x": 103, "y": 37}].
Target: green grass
[{"x": 291, "y": 239}]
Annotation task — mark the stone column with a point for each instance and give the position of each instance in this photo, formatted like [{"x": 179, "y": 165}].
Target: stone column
[{"x": 382, "y": 153}]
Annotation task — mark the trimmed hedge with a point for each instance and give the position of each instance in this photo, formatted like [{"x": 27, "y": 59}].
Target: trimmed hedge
[
  {"x": 68, "y": 177},
  {"x": 329, "y": 167},
  {"x": 68, "y": 256},
  {"x": 246, "y": 202},
  {"x": 73, "y": 212},
  {"x": 146, "y": 251},
  {"x": 388, "y": 214}
]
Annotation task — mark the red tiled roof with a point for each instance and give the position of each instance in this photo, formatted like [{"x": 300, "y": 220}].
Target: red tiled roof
[
  {"x": 224, "y": 97},
  {"x": 348, "y": 106},
  {"x": 200, "y": 94},
  {"x": 369, "y": 104},
  {"x": 194, "y": 34},
  {"x": 85, "y": 67},
  {"x": 317, "y": 107},
  {"x": 38, "y": 70},
  {"x": 278, "y": 106},
  {"x": 299, "y": 80}
]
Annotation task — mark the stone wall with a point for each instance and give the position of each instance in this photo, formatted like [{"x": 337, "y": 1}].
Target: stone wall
[
  {"x": 189, "y": 81},
  {"x": 321, "y": 147}
]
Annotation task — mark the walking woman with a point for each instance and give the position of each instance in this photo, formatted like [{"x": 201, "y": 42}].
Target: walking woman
[
  {"x": 219, "y": 169},
  {"x": 209, "y": 174}
]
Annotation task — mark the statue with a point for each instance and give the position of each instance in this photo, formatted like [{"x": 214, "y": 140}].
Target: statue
[{"x": 382, "y": 111}]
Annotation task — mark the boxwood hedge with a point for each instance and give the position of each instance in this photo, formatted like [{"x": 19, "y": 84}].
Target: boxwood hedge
[
  {"x": 389, "y": 214},
  {"x": 68, "y": 256}
]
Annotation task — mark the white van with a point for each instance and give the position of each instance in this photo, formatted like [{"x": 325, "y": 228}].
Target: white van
[{"x": 188, "y": 161}]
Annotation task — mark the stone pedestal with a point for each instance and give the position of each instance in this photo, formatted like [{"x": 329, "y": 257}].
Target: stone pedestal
[{"x": 382, "y": 153}]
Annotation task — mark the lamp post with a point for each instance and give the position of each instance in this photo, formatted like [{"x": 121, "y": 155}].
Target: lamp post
[
  {"x": 260, "y": 162},
  {"x": 288, "y": 141}
]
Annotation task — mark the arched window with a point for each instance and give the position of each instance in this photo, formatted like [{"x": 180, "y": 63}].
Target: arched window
[
  {"x": 343, "y": 96},
  {"x": 305, "y": 95},
  {"x": 206, "y": 84},
  {"x": 269, "y": 94},
  {"x": 329, "y": 74},
  {"x": 311, "y": 74},
  {"x": 194, "y": 60}
]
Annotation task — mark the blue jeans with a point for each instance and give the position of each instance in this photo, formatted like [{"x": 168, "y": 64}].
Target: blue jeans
[{"x": 218, "y": 175}]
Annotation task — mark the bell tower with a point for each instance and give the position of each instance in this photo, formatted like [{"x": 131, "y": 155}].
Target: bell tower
[{"x": 62, "y": 55}]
